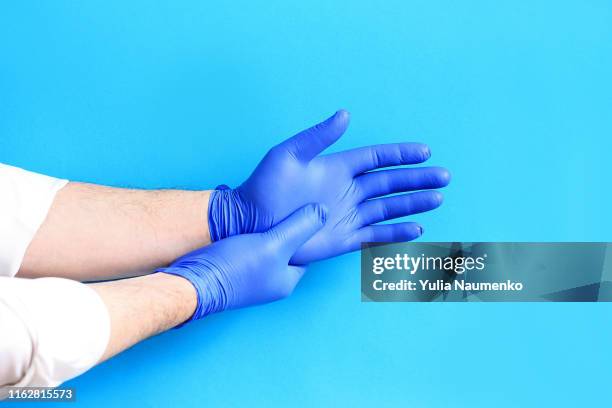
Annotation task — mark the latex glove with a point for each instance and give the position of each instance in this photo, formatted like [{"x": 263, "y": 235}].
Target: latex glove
[
  {"x": 293, "y": 174},
  {"x": 248, "y": 269}
]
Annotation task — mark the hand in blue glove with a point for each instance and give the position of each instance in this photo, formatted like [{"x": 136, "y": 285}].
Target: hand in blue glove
[
  {"x": 293, "y": 174},
  {"x": 249, "y": 269}
]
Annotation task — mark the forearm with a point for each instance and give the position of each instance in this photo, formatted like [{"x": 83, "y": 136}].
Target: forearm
[
  {"x": 144, "y": 306},
  {"x": 94, "y": 232}
]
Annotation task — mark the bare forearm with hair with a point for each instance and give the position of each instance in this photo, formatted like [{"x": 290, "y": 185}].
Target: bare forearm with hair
[
  {"x": 144, "y": 306},
  {"x": 95, "y": 232}
]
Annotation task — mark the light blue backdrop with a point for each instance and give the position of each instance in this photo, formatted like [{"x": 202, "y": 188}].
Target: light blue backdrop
[{"x": 515, "y": 97}]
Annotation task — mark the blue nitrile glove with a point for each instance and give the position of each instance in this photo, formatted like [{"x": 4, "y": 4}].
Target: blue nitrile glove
[
  {"x": 249, "y": 269},
  {"x": 292, "y": 174}
]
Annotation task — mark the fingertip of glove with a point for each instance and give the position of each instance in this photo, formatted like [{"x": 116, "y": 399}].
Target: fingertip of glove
[
  {"x": 340, "y": 118},
  {"x": 438, "y": 198},
  {"x": 425, "y": 151},
  {"x": 342, "y": 114},
  {"x": 446, "y": 176},
  {"x": 414, "y": 152},
  {"x": 442, "y": 176}
]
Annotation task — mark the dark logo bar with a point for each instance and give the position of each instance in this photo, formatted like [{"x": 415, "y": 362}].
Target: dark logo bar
[{"x": 486, "y": 272}]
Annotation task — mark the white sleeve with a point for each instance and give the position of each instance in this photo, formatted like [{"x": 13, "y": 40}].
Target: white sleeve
[
  {"x": 25, "y": 199},
  {"x": 52, "y": 329}
]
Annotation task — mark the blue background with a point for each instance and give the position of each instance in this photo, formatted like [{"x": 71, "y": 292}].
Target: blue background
[{"x": 514, "y": 97}]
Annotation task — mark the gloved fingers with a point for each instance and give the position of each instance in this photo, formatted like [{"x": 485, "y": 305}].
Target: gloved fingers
[
  {"x": 374, "y": 157},
  {"x": 400, "y": 232},
  {"x": 309, "y": 143},
  {"x": 382, "y": 209},
  {"x": 297, "y": 228},
  {"x": 380, "y": 183}
]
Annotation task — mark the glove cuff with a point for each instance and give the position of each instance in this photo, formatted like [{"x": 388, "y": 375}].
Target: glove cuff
[
  {"x": 211, "y": 297},
  {"x": 228, "y": 214}
]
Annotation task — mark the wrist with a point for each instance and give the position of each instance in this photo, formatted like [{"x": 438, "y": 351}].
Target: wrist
[
  {"x": 210, "y": 295},
  {"x": 179, "y": 293},
  {"x": 229, "y": 214}
]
